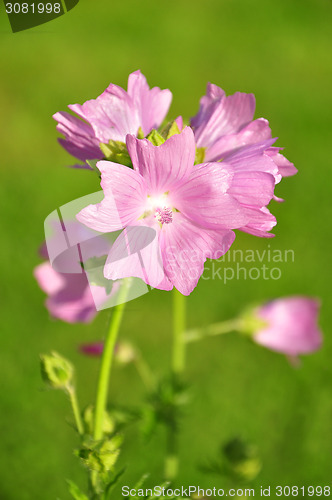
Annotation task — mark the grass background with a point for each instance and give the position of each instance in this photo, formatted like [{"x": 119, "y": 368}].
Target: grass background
[{"x": 281, "y": 51}]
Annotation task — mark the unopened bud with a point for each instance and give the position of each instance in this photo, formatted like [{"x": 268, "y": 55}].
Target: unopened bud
[{"x": 56, "y": 371}]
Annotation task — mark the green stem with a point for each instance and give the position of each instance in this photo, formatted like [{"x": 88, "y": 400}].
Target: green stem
[
  {"x": 179, "y": 325},
  {"x": 178, "y": 365},
  {"x": 213, "y": 330},
  {"x": 106, "y": 361},
  {"x": 76, "y": 411}
]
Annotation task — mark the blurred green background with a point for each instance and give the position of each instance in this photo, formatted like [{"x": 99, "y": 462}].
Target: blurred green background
[{"x": 281, "y": 51}]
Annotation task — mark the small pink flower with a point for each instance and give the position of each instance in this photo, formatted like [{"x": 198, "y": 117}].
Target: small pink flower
[
  {"x": 192, "y": 209},
  {"x": 224, "y": 124},
  {"x": 113, "y": 115},
  {"x": 69, "y": 295},
  {"x": 291, "y": 326}
]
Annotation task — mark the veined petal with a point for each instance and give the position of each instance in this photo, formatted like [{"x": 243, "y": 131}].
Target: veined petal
[
  {"x": 253, "y": 158},
  {"x": 204, "y": 197},
  {"x": 111, "y": 115},
  {"x": 261, "y": 221},
  {"x": 285, "y": 167},
  {"x": 186, "y": 246},
  {"x": 252, "y": 188},
  {"x": 165, "y": 166},
  {"x": 226, "y": 115},
  {"x": 153, "y": 104},
  {"x": 80, "y": 140},
  {"x": 125, "y": 196},
  {"x": 136, "y": 253},
  {"x": 256, "y": 131},
  {"x": 213, "y": 96}
]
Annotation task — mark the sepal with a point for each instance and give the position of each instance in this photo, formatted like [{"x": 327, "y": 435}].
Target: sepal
[{"x": 116, "y": 151}]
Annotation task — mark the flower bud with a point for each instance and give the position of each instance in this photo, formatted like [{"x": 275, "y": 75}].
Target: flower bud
[
  {"x": 56, "y": 371},
  {"x": 288, "y": 325}
]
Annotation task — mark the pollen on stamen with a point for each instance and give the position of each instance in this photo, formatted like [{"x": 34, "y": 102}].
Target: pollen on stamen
[{"x": 164, "y": 215}]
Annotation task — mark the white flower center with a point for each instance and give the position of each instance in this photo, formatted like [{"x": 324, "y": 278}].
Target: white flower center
[{"x": 161, "y": 208}]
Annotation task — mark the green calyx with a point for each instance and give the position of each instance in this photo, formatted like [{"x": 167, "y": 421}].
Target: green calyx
[
  {"x": 170, "y": 129},
  {"x": 155, "y": 138},
  {"x": 57, "y": 372},
  {"x": 200, "y": 155},
  {"x": 250, "y": 323},
  {"x": 101, "y": 456},
  {"x": 116, "y": 151}
]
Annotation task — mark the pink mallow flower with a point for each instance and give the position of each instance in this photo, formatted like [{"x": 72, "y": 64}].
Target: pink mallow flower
[
  {"x": 69, "y": 295},
  {"x": 224, "y": 124},
  {"x": 191, "y": 208},
  {"x": 113, "y": 115},
  {"x": 291, "y": 325}
]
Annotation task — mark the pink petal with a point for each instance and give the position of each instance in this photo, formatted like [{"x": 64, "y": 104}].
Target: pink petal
[
  {"x": 256, "y": 131},
  {"x": 111, "y": 115},
  {"x": 185, "y": 247},
  {"x": 213, "y": 96},
  {"x": 136, "y": 253},
  {"x": 125, "y": 195},
  {"x": 165, "y": 166},
  {"x": 252, "y": 188},
  {"x": 292, "y": 325},
  {"x": 253, "y": 158},
  {"x": 204, "y": 197},
  {"x": 224, "y": 115},
  {"x": 80, "y": 140},
  {"x": 48, "y": 279},
  {"x": 152, "y": 105},
  {"x": 285, "y": 167},
  {"x": 260, "y": 222}
]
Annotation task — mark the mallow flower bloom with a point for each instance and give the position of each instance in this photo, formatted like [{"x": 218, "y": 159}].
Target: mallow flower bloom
[
  {"x": 75, "y": 296},
  {"x": 69, "y": 295},
  {"x": 224, "y": 124},
  {"x": 111, "y": 116},
  {"x": 291, "y": 325},
  {"x": 192, "y": 210}
]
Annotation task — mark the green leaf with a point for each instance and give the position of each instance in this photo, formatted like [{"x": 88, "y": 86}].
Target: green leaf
[
  {"x": 75, "y": 492},
  {"x": 155, "y": 138},
  {"x": 139, "y": 484},
  {"x": 112, "y": 483}
]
